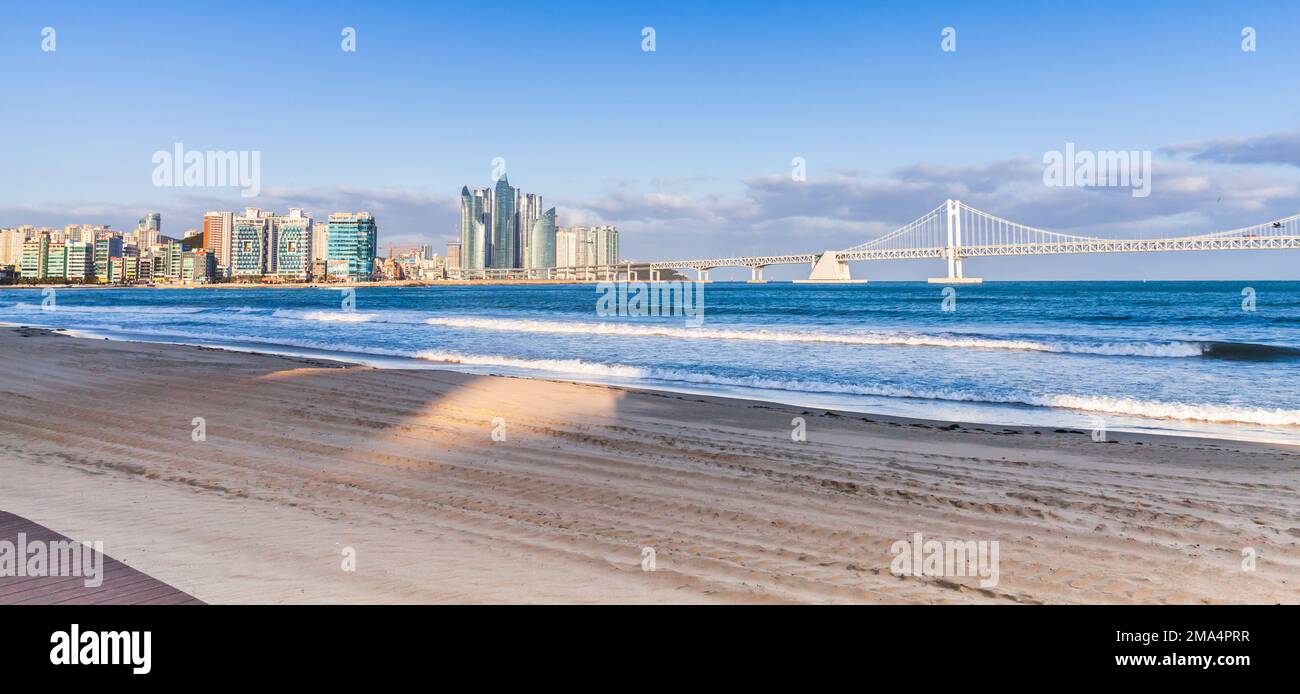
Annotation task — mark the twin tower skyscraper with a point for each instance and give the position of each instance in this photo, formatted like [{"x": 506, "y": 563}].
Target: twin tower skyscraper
[{"x": 502, "y": 228}]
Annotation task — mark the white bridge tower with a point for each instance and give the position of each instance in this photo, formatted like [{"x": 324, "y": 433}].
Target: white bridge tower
[{"x": 952, "y": 251}]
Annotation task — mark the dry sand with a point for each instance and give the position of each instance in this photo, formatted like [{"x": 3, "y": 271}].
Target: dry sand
[{"x": 305, "y": 458}]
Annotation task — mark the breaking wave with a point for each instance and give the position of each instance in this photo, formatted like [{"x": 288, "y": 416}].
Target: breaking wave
[
  {"x": 1171, "y": 348},
  {"x": 1100, "y": 404}
]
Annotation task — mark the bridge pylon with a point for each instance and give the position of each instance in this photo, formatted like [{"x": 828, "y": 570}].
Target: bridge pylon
[
  {"x": 830, "y": 269},
  {"x": 952, "y": 250}
]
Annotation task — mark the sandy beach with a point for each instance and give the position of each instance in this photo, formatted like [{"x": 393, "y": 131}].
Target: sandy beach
[{"x": 454, "y": 488}]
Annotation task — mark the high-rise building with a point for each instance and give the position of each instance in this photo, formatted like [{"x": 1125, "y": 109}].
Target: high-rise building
[
  {"x": 320, "y": 241},
  {"x": 11, "y": 246},
  {"x": 146, "y": 237},
  {"x": 605, "y": 244},
  {"x": 249, "y": 239},
  {"x": 453, "y": 255},
  {"x": 541, "y": 241},
  {"x": 151, "y": 221},
  {"x": 353, "y": 239},
  {"x": 33, "y": 260},
  {"x": 144, "y": 267},
  {"x": 47, "y": 258},
  {"x": 79, "y": 263},
  {"x": 105, "y": 248},
  {"x": 586, "y": 246},
  {"x": 126, "y": 268},
  {"x": 565, "y": 251},
  {"x": 474, "y": 221},
  {"x": 528, "y": 206},
  {"x": 117, "y": 269},
  {"x": 217, "y": 228},
  {"x": 293, "y": 246},
  {"x": 496, "y": 226},
  {"x": 486, "y": 199},
  {"x": 504, "y": 252},
  {"x": 158, "y": 264},
  {"x": 56, "y": 260},
  {"x": 168, "y": 261},
  {"x": 573, "y": 247},
  {"x": 198, "y": 266}
]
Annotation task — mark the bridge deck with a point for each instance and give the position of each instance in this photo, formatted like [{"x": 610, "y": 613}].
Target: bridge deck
[{"x": 954, "y": 231}]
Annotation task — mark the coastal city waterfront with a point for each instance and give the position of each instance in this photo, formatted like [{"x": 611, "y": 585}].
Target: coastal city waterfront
[{"x": 504, "y": 235}]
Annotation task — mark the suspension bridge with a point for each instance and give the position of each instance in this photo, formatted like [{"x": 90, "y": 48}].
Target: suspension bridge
[{"x": 955, "y": 231}]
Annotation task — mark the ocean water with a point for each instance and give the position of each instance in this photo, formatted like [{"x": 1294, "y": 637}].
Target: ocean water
[{"x": 1176, "y": 357}]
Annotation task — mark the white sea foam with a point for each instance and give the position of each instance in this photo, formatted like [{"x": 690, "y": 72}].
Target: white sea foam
[
  {"x": 116, "y": 310},
  {"x": 580, "y": 369},
  {"x": 568, "y": 366},
  {"x": 880, "y": 338},
  {"x": 1232, "y": 414},
  {"x": 1102, "y": 404},
  {"x": 339, "y": 316}
]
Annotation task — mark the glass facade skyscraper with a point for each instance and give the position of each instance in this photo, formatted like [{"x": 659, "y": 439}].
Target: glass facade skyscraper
[
  {"x": 293, "y": 245},
  {"x": 541, "y": 241},
  {"x": 496, "y": 228},
  {"x": 248, "y": 244},
  {"x": 528, "y": 206},
  {"x": 473, "y": 229},
  {"x": 353, "y": 239},
  {"x": 505, "y": 227}
]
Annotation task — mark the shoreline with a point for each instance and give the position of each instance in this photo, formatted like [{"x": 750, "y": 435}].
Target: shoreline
[
  {"x": 303, "y": 458},
  {"x": 290, "y": 352},
  {"x": 1048, "y": 417}
]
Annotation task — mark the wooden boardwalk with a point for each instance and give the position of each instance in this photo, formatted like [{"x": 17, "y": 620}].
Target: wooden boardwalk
[{"x": 121, "y": 585}]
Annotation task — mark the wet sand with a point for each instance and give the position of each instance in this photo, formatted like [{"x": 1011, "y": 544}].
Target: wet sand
[{"x": 305, "y": 463}]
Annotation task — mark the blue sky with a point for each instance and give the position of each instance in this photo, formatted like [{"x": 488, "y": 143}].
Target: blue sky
[{"x": 688, "y": 148}]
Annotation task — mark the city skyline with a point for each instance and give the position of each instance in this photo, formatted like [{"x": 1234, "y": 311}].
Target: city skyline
[{"x": 709, "y": 169}]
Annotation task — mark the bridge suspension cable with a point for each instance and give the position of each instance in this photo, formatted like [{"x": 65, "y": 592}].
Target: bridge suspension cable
[{"x": 954, "y": 231}]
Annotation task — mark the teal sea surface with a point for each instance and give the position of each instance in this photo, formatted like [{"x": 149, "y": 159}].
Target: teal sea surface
[{"x": 1175, "y": 357}]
